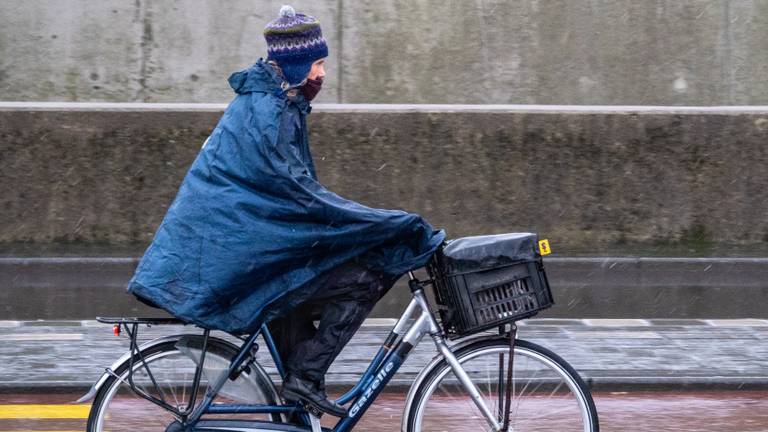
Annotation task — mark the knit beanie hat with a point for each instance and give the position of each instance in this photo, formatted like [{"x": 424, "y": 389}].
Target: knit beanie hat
[{"x": 295, "y": 41}]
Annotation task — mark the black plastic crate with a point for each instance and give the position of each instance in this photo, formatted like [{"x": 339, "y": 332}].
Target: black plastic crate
[{"x": 501, "y": 288}]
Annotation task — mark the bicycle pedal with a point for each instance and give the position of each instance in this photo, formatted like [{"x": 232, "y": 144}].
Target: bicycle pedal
[{"x": 312, "y": 410}]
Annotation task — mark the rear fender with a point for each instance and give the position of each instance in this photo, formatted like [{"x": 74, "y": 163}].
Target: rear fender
[{"x": 125, "y": 357}]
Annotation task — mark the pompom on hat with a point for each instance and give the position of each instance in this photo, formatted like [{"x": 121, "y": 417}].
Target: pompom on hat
[{"x": 295, "y": 41}]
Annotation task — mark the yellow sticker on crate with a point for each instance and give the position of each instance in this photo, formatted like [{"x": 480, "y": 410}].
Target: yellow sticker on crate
[{"x": 544, "y": 247}]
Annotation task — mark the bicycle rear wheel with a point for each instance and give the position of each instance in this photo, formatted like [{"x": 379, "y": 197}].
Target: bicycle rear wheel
[
  {"x": 547, "y": 393},
  {"x": 172, "y": 365}
]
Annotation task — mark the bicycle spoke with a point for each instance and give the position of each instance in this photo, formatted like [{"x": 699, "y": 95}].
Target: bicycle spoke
[
  {"x": 520, "y": 397},
  {"x": 560, "y": 384},
  {"x": 550, "y": 413}
]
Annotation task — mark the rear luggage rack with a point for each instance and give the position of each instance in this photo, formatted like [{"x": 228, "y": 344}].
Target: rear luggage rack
[{"x": 138, "y": 320}]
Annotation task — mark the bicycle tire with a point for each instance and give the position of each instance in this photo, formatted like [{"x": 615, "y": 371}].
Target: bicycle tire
[
  {"x": 495, "y": 346},
  {"x": 216, "y": 347}
]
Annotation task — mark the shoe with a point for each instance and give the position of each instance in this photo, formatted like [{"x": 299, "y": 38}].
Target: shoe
[
  {"x": 320, "y": 386},
  {"x": 297, "y": 389}
]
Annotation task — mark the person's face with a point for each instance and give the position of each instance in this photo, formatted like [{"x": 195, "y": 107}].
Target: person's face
[{"x": 318, "y": 70}]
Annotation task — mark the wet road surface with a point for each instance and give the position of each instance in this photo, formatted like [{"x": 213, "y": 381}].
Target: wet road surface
[{"x": 732, "y": 411}]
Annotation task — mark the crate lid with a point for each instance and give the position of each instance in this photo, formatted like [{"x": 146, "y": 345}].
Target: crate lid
[{"x": 488, "y": 251}]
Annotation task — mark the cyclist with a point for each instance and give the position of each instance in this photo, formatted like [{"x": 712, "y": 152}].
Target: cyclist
[{"x": 252, "y": 237}]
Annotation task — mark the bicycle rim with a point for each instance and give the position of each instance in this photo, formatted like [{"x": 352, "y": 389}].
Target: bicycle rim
[
  {"x": 118, "y": 408},
  {"x": 545, "y": 395}
]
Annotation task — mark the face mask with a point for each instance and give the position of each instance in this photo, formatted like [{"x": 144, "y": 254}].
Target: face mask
[{"x": 311, "y": 88}]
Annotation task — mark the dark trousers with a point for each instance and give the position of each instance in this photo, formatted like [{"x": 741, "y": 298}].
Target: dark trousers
[{"x": 343, "y": 297}]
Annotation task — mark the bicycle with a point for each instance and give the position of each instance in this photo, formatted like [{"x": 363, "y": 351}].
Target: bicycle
[{"x": 498, "y": 382}]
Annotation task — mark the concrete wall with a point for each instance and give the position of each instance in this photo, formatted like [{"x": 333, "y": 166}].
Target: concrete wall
[
  {"x": 624, "y": 181},
  {"x": 665, "y": 52},
  {"x": 54, "y": 288}
]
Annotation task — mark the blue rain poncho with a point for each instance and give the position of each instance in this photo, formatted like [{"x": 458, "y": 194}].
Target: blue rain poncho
[{"x": 251, "y": 225}]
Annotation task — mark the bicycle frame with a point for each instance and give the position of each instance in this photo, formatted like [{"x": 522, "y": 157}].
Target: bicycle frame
[{"x": 416, "y": 322}]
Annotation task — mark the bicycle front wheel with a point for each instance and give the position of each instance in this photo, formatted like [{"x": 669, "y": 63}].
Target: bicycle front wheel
[{"x": 546, "y": 392}]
